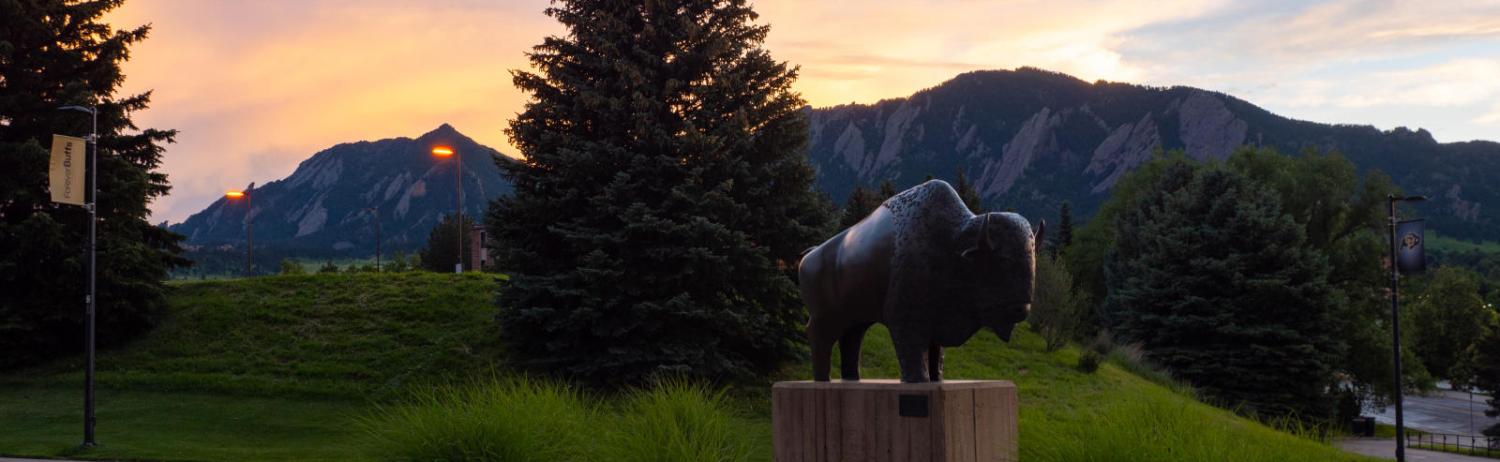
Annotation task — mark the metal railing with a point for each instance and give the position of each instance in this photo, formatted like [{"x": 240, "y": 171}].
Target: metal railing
[{"x": 1487, "y": 446}]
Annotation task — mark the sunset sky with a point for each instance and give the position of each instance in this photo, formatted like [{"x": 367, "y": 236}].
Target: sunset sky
[{"x": 256, "y": 87}]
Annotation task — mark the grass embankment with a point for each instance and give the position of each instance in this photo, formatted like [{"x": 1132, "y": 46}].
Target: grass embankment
[
  {"x": 273, "y": 368},
  {"x": 310, "y": 368}
]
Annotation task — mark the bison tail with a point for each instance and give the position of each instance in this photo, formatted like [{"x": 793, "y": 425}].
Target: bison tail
[{"x": 801, "y": 257}]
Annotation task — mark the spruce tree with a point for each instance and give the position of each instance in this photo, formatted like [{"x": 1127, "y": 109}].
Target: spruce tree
[
  {"x": 1220, "y": 287},
  {"x": 441, "y": 252},
  {"x": 967, "y": 193},
  {"x": 861, "y": 202},
  {"x": 887, "y": 190},
  {"x": 1064, "y": 227},
  {"x": 55, "y": 53},
  {"x": 664, "y": 200}
]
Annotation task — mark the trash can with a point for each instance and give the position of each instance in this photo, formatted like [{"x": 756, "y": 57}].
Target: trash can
[{"x": 1362, "y": 426}]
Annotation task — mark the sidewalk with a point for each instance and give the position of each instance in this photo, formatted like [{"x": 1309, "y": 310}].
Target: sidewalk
[{"x": 1385, "y": 448}]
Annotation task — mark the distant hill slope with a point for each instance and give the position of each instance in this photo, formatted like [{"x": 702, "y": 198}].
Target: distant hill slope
[
  {"x": 1032, "y": 139},
  {"x": 320, "y": 209}
]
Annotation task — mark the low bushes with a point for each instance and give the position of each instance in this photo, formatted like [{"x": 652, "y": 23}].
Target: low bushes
[{"x": 530, "y": 420}]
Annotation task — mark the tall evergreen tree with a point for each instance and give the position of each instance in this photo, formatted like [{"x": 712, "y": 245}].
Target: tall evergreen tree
[
  {"x": 1064, "y": 227},
  {"x": 1220, "y": 287},
  {"x": 1343, "y": 218},
  {"x": 887, "y": 189},
  {"x": 55, "y": 53},
  {"x": 664, "y": 200},
  {"x": 441, "y": 252},
  {"x": 861, "y": 202},
  {"x": 967, "y": 193}
]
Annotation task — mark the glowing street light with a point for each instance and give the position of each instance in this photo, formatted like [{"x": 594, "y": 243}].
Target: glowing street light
[
  {"x": 249, "y": 230},
  {"x": 444, "y": 152}
]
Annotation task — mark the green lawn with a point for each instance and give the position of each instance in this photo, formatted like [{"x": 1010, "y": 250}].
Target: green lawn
[
  {"x": 143, "y": 425},
  {"x": 1445, "y": 243},
  {"x": 286, "y": 368}
]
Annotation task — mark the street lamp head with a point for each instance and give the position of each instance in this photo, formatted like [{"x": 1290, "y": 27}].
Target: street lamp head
[
  {"x": 442, "y": 151},
  {"x": 234, "y": 194},
  {"x": 76, "y": 108}
]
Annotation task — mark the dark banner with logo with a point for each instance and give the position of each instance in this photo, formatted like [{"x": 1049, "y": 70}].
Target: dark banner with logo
[{"x": 1409, "y": 240}]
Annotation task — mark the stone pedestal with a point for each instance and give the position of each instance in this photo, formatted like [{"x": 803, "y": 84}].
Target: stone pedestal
[{"x": 888, "y": 421}]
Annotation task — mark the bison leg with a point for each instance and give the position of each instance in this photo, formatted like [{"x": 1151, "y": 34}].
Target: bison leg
[
  {"x": 913, "y": 360},
  {"x": 822, "y": 350},
  {"x": 935, "y": 362},
  {"x": 849, "y": 346}
]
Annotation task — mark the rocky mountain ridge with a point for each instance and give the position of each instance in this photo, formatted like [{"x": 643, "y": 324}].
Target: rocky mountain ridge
[
  {"x": 1031, "y": 139},
  {"x": 329, "y": 204}
]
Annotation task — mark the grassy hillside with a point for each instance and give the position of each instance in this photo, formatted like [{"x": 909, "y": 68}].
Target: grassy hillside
[
  {"x": 356, "y": 336},
  {"x": 281, "y": 368}
]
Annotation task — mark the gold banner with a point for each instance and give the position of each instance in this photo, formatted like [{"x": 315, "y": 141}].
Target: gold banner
[{"x": 66, "y": 175}]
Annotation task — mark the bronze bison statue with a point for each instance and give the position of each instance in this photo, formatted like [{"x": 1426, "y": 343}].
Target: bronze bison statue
[{"x": 927, "y": 268}]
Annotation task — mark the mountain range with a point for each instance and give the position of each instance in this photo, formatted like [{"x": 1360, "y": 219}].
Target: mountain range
[
  {"x": 329, "y": 205},
  {"x": 1029, "y": 139}
]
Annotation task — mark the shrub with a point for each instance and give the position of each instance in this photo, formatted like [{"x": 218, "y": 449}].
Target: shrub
[
  {"x": 1059, "y": 312},
  {"x": 1088, "y": 362},
  {"x": 675, "y": 421},
  {"x": 290, "y": 267},
  {"x": 505, "y": 420}
]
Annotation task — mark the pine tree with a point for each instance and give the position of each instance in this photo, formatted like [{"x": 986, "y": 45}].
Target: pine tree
[
  {"x": 1064, "y": 228},
  {"x": 861, "y": 202},
  {"x": 55, "y": 53},
  {"x": 887, "y": 189},
  {"x": 441, "y": 253},
  {"x": 967, "y": 193},
  {"x": 664, "y": 200},
  {"x": 1220, "y": 287}
]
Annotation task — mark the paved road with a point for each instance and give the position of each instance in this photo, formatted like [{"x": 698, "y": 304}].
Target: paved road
[
  {"x": 1446, "y": 411},
  {"x": 1385, "y": 448}
]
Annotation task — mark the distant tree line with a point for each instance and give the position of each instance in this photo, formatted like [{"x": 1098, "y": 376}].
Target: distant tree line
[{"x": 1260, "y": 281}]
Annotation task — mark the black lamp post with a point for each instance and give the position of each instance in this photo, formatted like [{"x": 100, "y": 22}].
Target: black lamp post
[
  {"x": 249, "y": 228},
  {"x": 376, "y": 212},
  {"x": 89, "y": 300},
  {"x": 1391, "y": 201},
  {"x": 458, "y": 176}
]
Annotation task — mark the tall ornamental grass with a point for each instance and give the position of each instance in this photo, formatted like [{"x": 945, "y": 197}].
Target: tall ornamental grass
[
  {"x": 524, "y": 420},
  {"x": 511, "y": 420},
  {"x": 676, "y": 422}
]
